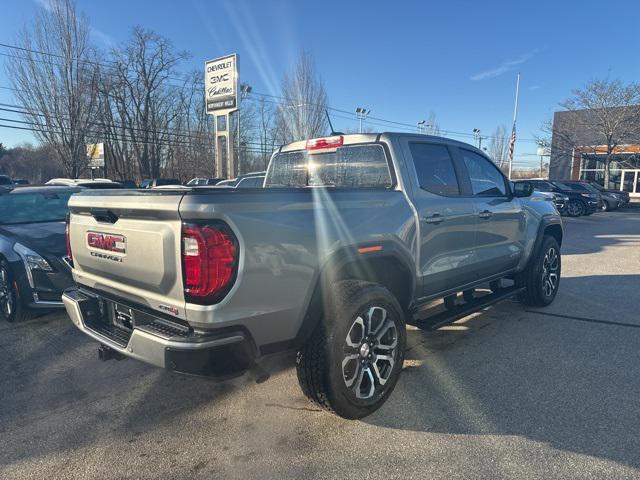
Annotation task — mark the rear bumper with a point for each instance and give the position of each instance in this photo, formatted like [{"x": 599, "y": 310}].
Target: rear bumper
[{"x": 221, "y": 355}]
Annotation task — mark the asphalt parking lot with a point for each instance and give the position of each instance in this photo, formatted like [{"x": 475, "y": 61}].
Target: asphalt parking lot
[{"x": 507, "y": 393}]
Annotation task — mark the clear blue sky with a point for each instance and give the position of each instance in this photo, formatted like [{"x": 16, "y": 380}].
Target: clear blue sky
[{"x": 401, "y": 59}]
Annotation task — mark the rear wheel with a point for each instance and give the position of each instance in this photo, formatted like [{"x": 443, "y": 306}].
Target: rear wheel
[
  {"x": 353, "y": 360},
  {"x": 576, "y": 208},
  {"x": 605, "y": 207},
  {"x": 541, "y": 278}
]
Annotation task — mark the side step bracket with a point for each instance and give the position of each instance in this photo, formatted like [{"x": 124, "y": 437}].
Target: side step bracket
[{"x": 460, "y": 311}]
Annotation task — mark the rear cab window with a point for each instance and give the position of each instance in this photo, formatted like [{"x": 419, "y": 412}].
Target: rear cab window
[
  {"x": 434, "y": 168},
  {"x": 349, "y": 166}
]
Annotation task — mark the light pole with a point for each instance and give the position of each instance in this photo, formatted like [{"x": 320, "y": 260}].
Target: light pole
[
  {"x": 478, "y": 138},
  {"x": 542, "y": 152},
  {"x": 422, "y": 126},
  {"x": 362, "y": 114}
]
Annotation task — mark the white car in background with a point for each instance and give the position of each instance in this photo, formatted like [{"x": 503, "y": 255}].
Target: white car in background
[{"x": 97, "y": 183}]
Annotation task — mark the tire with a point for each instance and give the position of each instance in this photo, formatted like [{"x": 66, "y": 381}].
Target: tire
[
  {"x": 11, "y": 308},
  {"x": 576, "y": 208},
  {"x": 335, "y": 369},
  {"x": 605, "y": 207},
  {"x": 541, "y": 278}
]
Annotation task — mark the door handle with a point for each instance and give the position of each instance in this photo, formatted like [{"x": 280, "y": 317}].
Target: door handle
[
  {"x": 485, "y": 214},
  {"x": 435, "y": 218}
]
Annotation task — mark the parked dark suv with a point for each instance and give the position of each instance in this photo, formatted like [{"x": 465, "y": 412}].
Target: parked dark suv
[
  {"x": 579, "y": 203},
  {"x": 589, "y": 195},
  {"x": 560, "y": 200}
]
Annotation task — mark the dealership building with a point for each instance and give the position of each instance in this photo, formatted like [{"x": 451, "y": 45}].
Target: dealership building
[{"x": 577, "y": 153}]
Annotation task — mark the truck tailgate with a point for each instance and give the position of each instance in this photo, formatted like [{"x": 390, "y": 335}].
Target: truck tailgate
[{"x": 127, "y": 243}]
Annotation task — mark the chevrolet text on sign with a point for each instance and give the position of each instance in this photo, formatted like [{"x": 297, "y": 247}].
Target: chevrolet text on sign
[{"x": 220, "y": 83}]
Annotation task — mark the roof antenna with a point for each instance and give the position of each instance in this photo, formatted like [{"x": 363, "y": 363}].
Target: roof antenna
[{"x": 333, "y": 132}]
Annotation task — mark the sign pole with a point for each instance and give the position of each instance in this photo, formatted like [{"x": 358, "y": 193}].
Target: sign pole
[
  {"x": 221, "y": 96},
  {"x": 95, "y": 157}
]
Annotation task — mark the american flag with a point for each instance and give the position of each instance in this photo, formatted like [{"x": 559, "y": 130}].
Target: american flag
[{"x": 512, "y": 143}]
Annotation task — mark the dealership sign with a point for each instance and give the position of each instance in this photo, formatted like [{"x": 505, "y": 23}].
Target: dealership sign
[
  {"x": 221, "y": 84},
  {"x": 95, "y": 155}
]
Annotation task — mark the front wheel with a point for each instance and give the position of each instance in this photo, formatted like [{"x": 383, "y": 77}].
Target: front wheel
[
  {"x": 353, "y": 360},
  {"x": 10, "y": 307},
  {"x": 576, "y": 208},
  {"x": 541, "y": 278}
]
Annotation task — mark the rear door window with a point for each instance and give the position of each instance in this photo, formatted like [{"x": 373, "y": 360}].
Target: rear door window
[
  {"x": 434, "y": 168},
  {"x": 486, "y": 179},
  {"x": 353, "y": 166}
]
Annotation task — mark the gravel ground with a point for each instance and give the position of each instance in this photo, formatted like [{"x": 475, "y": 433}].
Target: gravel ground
[{"x": 508, "y": 393}]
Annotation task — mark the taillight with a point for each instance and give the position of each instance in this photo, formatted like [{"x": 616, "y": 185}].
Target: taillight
[
  {"x": 209, "y": 261},
  {"x": 327, "y": 142},
  {"x": 68, "y": 240}
]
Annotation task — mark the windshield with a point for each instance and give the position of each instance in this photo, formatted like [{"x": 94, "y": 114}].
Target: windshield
[
  {"x": 577, "y": 187},
  {"x": 33, "y": 207},
  {"x": 356, "y": 166}
]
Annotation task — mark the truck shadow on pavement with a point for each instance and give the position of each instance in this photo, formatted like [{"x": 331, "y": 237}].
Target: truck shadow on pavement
[
  {"x": 567, "y": 382},
  {"x": 57, "y": 397},
  {"x": 570, "y": 379}
]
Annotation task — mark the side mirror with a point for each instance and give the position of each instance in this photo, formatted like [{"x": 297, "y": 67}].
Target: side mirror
[{"x": 522, "y": 189}]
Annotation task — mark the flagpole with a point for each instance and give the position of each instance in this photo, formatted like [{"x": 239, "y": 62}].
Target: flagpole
[{"x": 513, "y": 131}]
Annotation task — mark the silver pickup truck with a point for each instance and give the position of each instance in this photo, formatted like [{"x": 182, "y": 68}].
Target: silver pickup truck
[{"x": 349, "y": 238}]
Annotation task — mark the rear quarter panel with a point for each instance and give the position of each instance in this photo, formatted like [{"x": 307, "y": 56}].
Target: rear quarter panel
[{"x": 286, "y": 237}]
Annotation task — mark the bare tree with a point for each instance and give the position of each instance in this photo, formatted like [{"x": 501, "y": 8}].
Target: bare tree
[
  {"x": 608, "y": 110},
  {"x": 498, "y": 146},
  {"x": 301, "y": 113},
  {"x": 140, "y": 104},
  {"x": 54, "y": 78},
  {"x": 265, "y": 125},
  {"x": 31, "y": 163},
  {"x": 190, "y": 149}
]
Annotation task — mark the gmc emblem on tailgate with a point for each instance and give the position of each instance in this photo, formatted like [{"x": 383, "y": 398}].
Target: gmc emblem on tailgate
[{"x": 107, "y": 241}]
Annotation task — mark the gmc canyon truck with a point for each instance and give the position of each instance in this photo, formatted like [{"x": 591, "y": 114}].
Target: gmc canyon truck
[{"x": 349, "y": 239}]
